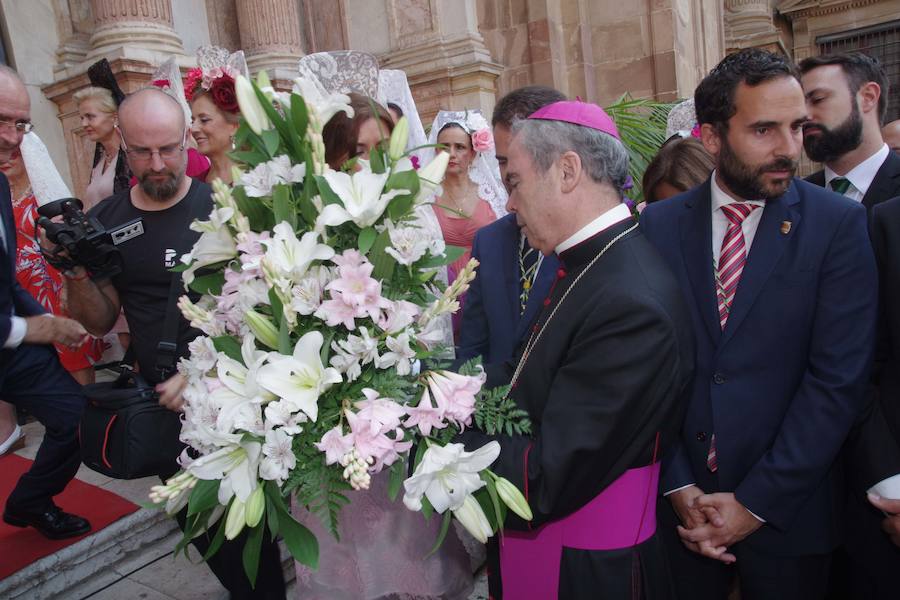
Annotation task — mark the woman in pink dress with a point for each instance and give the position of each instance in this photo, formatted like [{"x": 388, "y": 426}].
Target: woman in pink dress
[{"x": 471, "y": 195}]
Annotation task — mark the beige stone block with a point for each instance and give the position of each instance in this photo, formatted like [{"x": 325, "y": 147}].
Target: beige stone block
[
  {"x": 519, "y": 13},
  {"x": 606, "y": 12},
  {"x": 623, "y": 40},
  {"x": 487, "y": 15},
  {"x": 664, "y": 68},
  {"x": 634, "y": 76},
  {"x": 539, "y": 40},
  {"x": 537, "y": 9},
  {"x": 662, "y": 30}
]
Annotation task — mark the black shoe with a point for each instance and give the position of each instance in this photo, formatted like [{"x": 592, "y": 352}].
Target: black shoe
[{"x": 53, "y": 523}]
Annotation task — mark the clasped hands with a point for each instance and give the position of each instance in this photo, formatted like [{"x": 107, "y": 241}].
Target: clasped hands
[{"x": 712, "y": 522}]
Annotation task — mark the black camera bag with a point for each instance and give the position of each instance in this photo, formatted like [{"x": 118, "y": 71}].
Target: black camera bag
[{"x": 125, "y": 433}]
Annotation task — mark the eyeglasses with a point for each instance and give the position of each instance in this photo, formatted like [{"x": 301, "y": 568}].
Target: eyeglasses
[
  {"x": 166, "y": 153},
  {"x": 21, "y": 126}
]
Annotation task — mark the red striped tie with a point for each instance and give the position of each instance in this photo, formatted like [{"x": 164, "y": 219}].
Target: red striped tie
[{"x": 731, "y": 265}]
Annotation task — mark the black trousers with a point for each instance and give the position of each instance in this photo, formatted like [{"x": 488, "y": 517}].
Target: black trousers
[
  {"x": 759, "y": 576},
  {"x": 35, "y": 380}
]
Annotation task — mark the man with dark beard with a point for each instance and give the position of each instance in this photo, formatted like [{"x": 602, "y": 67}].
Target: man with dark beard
[
  {"x": 846, "y": 98},
  {"x": 781, "y": 282},
  {"x": 154, "y": 134}
]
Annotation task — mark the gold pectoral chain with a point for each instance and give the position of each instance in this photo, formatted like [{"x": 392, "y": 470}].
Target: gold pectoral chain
[{"x": 535, "y": 336}]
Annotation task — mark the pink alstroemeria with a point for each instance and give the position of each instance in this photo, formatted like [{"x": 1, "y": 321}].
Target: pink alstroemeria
[
  {"x": 383, "y": 414},
  {"x": 397, "y": 316},
  {"x": 426, "y": 416},
  {"x": 455, "y": 394},
  {"x": 379, "y": 447},
  {"x": 335, "y": 445}
]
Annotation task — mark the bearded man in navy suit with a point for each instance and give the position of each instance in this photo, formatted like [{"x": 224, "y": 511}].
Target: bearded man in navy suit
[{"x": 782, "y": 285}]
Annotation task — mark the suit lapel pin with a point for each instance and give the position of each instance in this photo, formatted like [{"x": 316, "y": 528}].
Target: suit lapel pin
[{"x": 785, "y": 227}]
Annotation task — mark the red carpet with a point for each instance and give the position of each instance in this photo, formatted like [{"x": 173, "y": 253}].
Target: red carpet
[{"x": 21, "y": 547}]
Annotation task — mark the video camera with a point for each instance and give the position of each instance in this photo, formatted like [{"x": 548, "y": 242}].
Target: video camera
[{"x": 82, "y": 240}]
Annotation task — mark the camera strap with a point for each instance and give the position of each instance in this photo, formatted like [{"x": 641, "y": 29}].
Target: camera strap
[{"x": 167, "y": 349}]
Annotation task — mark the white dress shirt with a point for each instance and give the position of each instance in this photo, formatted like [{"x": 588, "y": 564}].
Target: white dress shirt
[
  {"x": 720, "y": 222},
  {"x": 860, "y": 176},
  {"x": 17, "y": 331},
  {"x": 607, "y": 219}
]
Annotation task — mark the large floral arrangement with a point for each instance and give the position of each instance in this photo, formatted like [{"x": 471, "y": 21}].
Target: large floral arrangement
[{"x": 319, "y": 310}]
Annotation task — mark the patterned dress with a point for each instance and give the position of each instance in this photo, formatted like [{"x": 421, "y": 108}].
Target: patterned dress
[{"x": 44, "y": 282}]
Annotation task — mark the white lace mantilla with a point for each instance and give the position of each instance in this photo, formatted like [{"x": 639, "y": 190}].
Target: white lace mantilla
[{"x": 343, "y": 71}]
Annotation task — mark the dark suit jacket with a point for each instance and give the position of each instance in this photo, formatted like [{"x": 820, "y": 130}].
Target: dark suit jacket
[
  {"x": 491, "y": 323},
  {"x": 782, "y": 384},
  {"x": 886, "y": 240},
  {"x": 13, "y": 298},
  {"x": 886, "y": 184}
]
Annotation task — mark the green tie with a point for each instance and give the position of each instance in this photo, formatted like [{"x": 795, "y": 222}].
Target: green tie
[{"x": 839, "y": 184}]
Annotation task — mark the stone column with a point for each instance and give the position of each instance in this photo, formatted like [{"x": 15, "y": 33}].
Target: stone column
[
  {"x": 438, "y": 45},
  {"x": 123, "y": 26},
  {"x": 750, "y": 24},
  {"x": 270, "y": 36}
]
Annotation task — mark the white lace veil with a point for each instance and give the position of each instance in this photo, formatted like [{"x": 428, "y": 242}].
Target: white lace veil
[
  {"x": 484, "y": 169},
  {"x": 393, "y": 87},
  {"x": 46, "y": 182},
  {"x": 167, "y": 77},
  {"x": 210, "y": 58},
  {"x": 681, "y": 118},
  {"x": 343, "y": 71}
]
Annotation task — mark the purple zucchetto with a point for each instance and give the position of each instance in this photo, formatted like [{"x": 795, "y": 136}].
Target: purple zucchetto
[{"x": 578, "y": 113}]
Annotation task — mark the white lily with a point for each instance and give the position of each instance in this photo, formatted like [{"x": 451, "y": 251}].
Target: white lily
[
  {"x": 299, "y": 379},
  {"x": 360, "y": 194},
  {"x": 251, "y": 108},
  {"x": 290, "y": 258},
  {"x": 472, "y": 517},
  {"x": 236, "y": 467},
  {"x": 322, "y": 106},
  {"x": 216, "y": 244},
  {"x": 447, "y": 475}
]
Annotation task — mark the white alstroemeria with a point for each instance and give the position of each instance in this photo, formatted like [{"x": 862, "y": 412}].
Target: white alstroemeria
[
  {"x": 361, "y": 196},
  {"x": 431, "y": 176},
  {"x": 285, "y": 172},
  {"x": 236, "y": 467},
  {"x": 299, "y": 379},
  {"x": 471, "y": 516},
  {"x": 307, "y": 294},
  {"x": 352, "y": 353},
  {"x": 285, "y": 416},
  {"x": 278, "y": 456},
  {"x": 216, "y": 244},
  {"x": 447, "y": 475},
  {"x": 201, "y": 358},
  {"x": 251, "y": 108},
  {"x": 409, "y": 243},
  {"x": 321, "y": 106},
  {"x": 399, "y": 356},
  {"x": 259, "y": 182},
  {"x": 290, "y": 258}
]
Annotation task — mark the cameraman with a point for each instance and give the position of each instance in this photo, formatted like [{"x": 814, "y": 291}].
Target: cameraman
[
  {"x": 154, "y": 134},
  {"x": 30, "y": 373}
]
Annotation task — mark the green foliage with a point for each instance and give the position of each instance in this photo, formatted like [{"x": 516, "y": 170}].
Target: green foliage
[
  {"x": 496, "y": 414},
  {"x": 642, "y": 127},
  {"x": 211, "y": 283},
  {"x": 318, "y": 487}
]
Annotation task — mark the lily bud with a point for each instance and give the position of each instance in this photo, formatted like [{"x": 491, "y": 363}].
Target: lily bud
[
  {"x": 513, "y": 498},
  {"x": 236, "y": 519},
  {"x": 262, "y": 329},
  {"x": 399, "y": 138},
  {"x": 262, "y": 79},
  {"x": 472, "y": 517},
  {"x": 431, "y": 175},
  {"x": 251, "y": 108},
  {"x": 256, "y": 505}
]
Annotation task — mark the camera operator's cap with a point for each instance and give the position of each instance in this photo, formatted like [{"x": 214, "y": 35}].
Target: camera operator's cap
[{"x": 578, "y": 113}]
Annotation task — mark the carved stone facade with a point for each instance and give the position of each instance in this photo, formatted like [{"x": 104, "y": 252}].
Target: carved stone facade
[{"x": 456, "y": 53}]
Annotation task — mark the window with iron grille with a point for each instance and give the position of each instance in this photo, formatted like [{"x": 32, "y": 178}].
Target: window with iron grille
[{"x": 879, "y": 41}]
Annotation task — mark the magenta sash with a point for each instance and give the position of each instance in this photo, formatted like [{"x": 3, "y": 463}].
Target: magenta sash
[{"x": 622, "y": 515}]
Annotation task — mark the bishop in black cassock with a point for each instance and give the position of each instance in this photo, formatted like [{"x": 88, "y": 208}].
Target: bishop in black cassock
[{"x": 601, "y": 377}]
